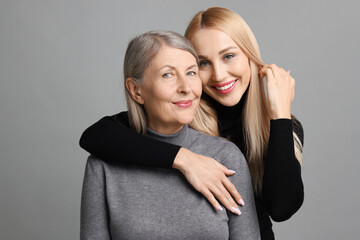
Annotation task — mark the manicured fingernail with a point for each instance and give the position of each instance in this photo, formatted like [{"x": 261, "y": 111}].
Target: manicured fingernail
[
  {"x": 241, "y": 201},
  {"x": 232, "y": 171},
  {"x": 220, "y": 208},
  {"x": 236, "y": 210}
]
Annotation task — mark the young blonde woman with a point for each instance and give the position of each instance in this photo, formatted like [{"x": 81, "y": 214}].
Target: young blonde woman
[
  {"x": 120, "y": 201},
  {"x": 234, "y": 105}
]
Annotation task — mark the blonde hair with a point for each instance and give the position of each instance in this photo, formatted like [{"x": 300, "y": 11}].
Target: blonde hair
[
  {"x": 256, "y": 113},
  {"x": 139, "y": 54}
]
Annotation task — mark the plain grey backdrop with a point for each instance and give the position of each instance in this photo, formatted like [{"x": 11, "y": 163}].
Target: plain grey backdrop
[{"x": 61, "y": 70}]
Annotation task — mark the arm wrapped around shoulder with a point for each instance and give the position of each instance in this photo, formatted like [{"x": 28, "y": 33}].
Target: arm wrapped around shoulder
[{"x": 112, "y": 140}]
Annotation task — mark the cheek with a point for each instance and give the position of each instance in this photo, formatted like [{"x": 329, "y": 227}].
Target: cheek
[
  {"x": 153, "y": 97},
  {"x": 247, "y": 74},
  {"x": 205, "y": 77},
  {"x": 197, "y": 89},
  {"x": 243, "y": 68}
]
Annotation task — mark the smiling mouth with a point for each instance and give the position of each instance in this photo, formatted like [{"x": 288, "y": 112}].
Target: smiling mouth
[
  {"x": 184, "y": 103},
  {"x": 225, "y": 87}
]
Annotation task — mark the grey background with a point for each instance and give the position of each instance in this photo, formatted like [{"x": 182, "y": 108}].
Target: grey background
[{"x": 60, "y": 71}]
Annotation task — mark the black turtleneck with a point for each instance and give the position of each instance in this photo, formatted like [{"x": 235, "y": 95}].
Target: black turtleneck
[
  {"x": 282, "y": 193},
  {"x": 230, "y": 121}
]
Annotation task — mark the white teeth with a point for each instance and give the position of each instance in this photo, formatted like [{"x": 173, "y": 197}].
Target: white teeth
[{"x": 226, "y": 86}]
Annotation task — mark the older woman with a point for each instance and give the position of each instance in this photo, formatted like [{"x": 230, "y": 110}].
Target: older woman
[{"x": 126, "y": 202}]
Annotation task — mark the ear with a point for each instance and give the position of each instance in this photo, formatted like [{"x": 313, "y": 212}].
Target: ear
[{"x": 134, "y": 89}]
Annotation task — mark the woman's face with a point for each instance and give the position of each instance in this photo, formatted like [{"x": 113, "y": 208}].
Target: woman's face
[
  {"x": 171, "y": 90},
  {"x": 224, "y": 68}
]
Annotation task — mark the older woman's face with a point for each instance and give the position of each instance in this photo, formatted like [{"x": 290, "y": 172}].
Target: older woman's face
[
  {"x": 224, "y": 68},
  {"x": 171, "y": 90}
]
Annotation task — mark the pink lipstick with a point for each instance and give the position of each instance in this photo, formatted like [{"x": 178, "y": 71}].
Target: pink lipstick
[
  {"x": 184, "y": 103},
  {"x": 225, "y": 88}
]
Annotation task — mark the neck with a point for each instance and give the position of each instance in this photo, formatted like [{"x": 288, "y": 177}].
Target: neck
[
  {"x": 224, "y": 112},
  {"x": 165, "y": 129},
  {"x": 179, "y": 138}
]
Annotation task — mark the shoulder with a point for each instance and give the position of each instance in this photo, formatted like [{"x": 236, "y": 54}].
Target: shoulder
[
  {"x": 216, "y": 147},
  {"x": 93, "y": 160},
  {"x": 95, "y": 165}
]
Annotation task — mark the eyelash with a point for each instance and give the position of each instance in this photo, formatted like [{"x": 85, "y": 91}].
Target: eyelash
[
  {"x": 204, "y": 63},
  {"x": 164, "y": 75},
  {"x": 193, "y": 73},
  {"x": 226, "y": 57}
]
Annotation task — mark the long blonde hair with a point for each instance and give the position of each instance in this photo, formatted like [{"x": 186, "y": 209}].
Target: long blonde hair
[{"x": 256, "y": 113}]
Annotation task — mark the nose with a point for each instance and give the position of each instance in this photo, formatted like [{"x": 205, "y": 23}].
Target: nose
[
  {"x": 218, "y": 72},
  {"x": 183, "y": 85}
]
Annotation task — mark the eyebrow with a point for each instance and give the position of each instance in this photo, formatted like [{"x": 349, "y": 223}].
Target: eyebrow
[
  {"x": 172, "y": 67},
  {"x": 194, "y": 65},
  {"x": 165, "y": 66},
  {"x": 220, "y": 52},
  {"x": 226, "y": 49}
]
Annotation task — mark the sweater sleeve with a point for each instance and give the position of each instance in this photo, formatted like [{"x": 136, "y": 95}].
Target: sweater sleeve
[
  {"x": 112, "y": 140},
  {"x": 94, "y": 222},
  {"x": 283, "y": 189},
  {"x": 246, "y": 225}
]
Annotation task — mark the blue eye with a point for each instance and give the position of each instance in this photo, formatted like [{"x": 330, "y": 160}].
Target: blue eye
[
  {"x": 229, "y": 56},
  {"x": 191, "y": 73},
  {"x": 166, "y": 75},
  {"x": 204, "y": 63}
]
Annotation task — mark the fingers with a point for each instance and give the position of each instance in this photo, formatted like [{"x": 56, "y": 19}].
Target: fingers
[
  {"x": 293, "y": 87},
  {"x": 267, "y": 71},
  {"x": 280, "y": 90},
  {"x": 224, "y": 191},
  {"x": 276, "y": 71},
  {"x": 219, "y": 193},
  {"x": 208, "y": 177},
  {"x": 228, "y": 184},
  {"x": 225, "y": 198},
  {"x": 232, "y": 190},
  {"x": 224, "y": 169},
  {"x": 276, "y": 74},
  {"x": 210, "y": 197},
  {"x": 273, "y": 69}
]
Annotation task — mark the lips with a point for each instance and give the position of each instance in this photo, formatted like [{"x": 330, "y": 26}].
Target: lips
[
  {"x": 225, "y": 88},
  {"x": 183, "y": 103}
]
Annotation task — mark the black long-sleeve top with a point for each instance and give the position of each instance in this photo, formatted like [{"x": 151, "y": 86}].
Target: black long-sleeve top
[{"x": 282, "y": 194}]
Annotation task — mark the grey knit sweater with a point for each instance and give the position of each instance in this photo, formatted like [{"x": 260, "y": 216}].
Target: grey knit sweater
[{"x": 132, "y": 202}]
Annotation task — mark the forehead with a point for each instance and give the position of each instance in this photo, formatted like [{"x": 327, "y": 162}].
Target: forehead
[
  {"x": 211, "y": 40},
  {"x": 172, "y": 56}
]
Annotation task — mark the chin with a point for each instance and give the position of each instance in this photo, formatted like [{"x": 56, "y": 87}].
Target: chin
[
  {"x": 185, "y": 120},
  {"x": 227, "y": 101}
]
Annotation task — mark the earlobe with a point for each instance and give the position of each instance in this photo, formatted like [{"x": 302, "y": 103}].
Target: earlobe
[{"x": 134, "y": 90}]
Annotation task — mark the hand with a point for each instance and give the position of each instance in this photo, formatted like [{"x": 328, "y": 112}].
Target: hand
[
  {"x": 280, "y": 90},
  {"x": 209, "y": 177}
]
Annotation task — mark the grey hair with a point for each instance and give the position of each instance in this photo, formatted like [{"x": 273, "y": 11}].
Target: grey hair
[{"x": 139, "y": 54}]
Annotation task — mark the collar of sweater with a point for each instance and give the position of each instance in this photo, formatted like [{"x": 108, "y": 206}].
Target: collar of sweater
[{"x": 178, "y": 138}]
